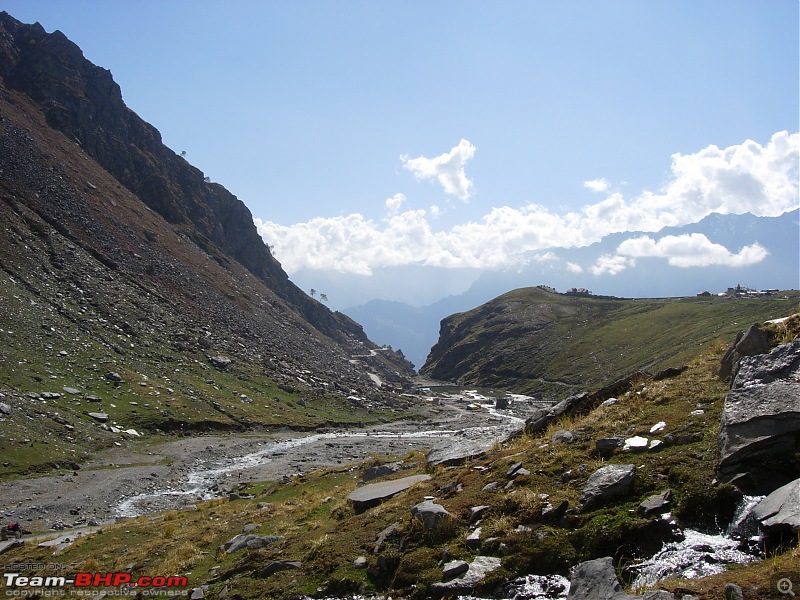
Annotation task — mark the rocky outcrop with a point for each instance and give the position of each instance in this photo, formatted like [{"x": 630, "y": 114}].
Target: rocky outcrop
[
  {"x": 431, "y": 515},
  {"x": 596, "y": 580},
  {"x": 755, "y": 341},
  {"x": 760, "y": 425},
  {"x": 780, "y": 511},
  {"x": 607, "y": 483}
]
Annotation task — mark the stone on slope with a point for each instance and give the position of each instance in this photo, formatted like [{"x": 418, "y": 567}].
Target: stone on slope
[
  {"x": 378, "y": 471},
  {"x": 432, "y": 515},
  {"x": 596, "y": 580},
  {"x": 478, "y": 569},
  {"x": 755, "y": 341},
  {"x": 780, "y": 511},
  {"x": 242, "y": 541},
  {"x": 374, "y": 493},
  {"x": 761, "y": 418},
  {"x": 656, "y": 504},
  {"x": 607, "y": 483}
]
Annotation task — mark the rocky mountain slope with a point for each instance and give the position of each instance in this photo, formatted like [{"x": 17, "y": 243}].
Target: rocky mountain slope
[
  {"x": 129, "y": 279},
  {"x": 534, "y": 340}
]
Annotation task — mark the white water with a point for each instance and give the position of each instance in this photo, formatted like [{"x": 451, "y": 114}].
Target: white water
[{"x": 700, "y": 554}]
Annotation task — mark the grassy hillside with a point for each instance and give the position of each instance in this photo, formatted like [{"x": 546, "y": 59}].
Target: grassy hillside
[
  {"x": 325, "y": 536},
  {"x": 534, "y": 341}
]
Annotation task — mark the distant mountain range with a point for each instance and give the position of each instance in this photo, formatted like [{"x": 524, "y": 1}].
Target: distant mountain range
[{"x": 414, "y": 329}]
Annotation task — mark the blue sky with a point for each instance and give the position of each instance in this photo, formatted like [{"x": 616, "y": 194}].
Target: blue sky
[{"x": 365, "y": 135}]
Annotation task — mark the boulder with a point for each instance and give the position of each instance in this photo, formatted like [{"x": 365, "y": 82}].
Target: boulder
[
  {"x": 606, "y": 483},
  {"x": 219, "y": 362},
  {"x": 656, "y": 504},
  {"x": 605, "y": 446},
  {"x": 455, "y": 568},
  {"x": 761, "y": 418},
  {"x": 478, "y": 569},
  {"x": 374, "y": 493},
  {"x": 596, "y": 580},
  {"x": 100, "y": 417},
  {"x": 432, "y": 515},
  {"x": 543, "y": 416},
  {"x": 780, "y": 511},
  {"x": 242, "y": 541},
  {"x": 378, "y": 471},
  {"x": 755, "y": 341},
  {"x": 5, "y": 408}
]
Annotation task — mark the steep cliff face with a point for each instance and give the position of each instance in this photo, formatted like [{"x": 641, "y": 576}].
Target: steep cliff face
[
  {"x": 533, "y": 340},
  {"x": 117, "y": 252},
  {"x": 82, "y": 101}
]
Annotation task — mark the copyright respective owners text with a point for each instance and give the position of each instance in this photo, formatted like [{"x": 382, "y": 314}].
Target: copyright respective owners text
[
  {"x": 40, "y": 580},
  {"x": 786, "y": 584}
]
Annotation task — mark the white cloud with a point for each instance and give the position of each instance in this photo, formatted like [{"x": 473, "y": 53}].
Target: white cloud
[
  {"x": 762, "y": 180},
  {"x": 393, "y": 203},
  {"x": 610, "y": 264},
  {"x": 447, "y": 168},
  {"x": 574, "y": 268},
  {"x": 596, "y": 185},
  {"x": 691, "y": 250}
]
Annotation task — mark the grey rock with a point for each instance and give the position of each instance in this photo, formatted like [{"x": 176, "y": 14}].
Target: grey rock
[
  {"x": 360, "y": 562},
  {"x": 219, "y": 361},
  {"x": 279, "y": 565},
  {"x": 656, "y": 504},
  {"x": 5, "y": 408},
  {"x": 543, "y": 416},
  {"x": 455, "y": 568},
  {"x": 197, "y": 594},
  {"x": 605, "y": 446},
  {"x": 374, "y": 493},
  {"x": 71, "y": 390},
  {"x": 490, "y": 487},
  {"x": 477, "y": 512},
  {"x": 479, "y": 568},
  {"x": 733, "y": 592},
  {"x": 554, "y": 513},
  {"x": 513, "y": 469},
  {"x": 250, "y": 527},
  {"x": 114, "y": 376},
  {"x": 264, "y": 505},
  {"x": 761, "y": 415},
  {"x": 473, "y": 539},
  {"x": 391, "y": 531},
  {"x": 377, "y": 471},
  {"x": 607, "y": 483},
  {"x": 755, "y": 341},
  {"x": 780, "y": 511},
  {"x": 100, "y": 417},
  {"x": 242, "y": 541},
  {"x": 432, "y": 515},
  {"x": 501, "y": 402},
  {"x": 562, "y": 436},
  {"x": 596, "y": 580}
]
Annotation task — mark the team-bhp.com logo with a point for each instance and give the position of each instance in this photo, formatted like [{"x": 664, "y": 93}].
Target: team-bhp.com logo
[{"x": 20, "y": 585}]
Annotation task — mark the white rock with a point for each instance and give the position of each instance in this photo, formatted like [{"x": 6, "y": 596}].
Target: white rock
[
  {"x": 635, "y": 443},
  {"x": 658, "y": 427}
]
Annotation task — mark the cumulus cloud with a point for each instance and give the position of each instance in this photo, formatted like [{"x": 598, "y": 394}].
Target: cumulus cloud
[
  {"x": 393, "y": 204},
  {"x": 574, "y": 267},
  {"x": 748, "y": 177},
  {"x": 611, "y": 264},
  {"x": 691, "y": 250},
  {"x": 596, "y": 185},
  {"x": 447, "y": 169}
]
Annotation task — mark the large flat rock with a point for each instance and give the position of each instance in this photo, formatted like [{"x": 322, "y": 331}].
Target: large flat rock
[{"x": 373, "y": 494}]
